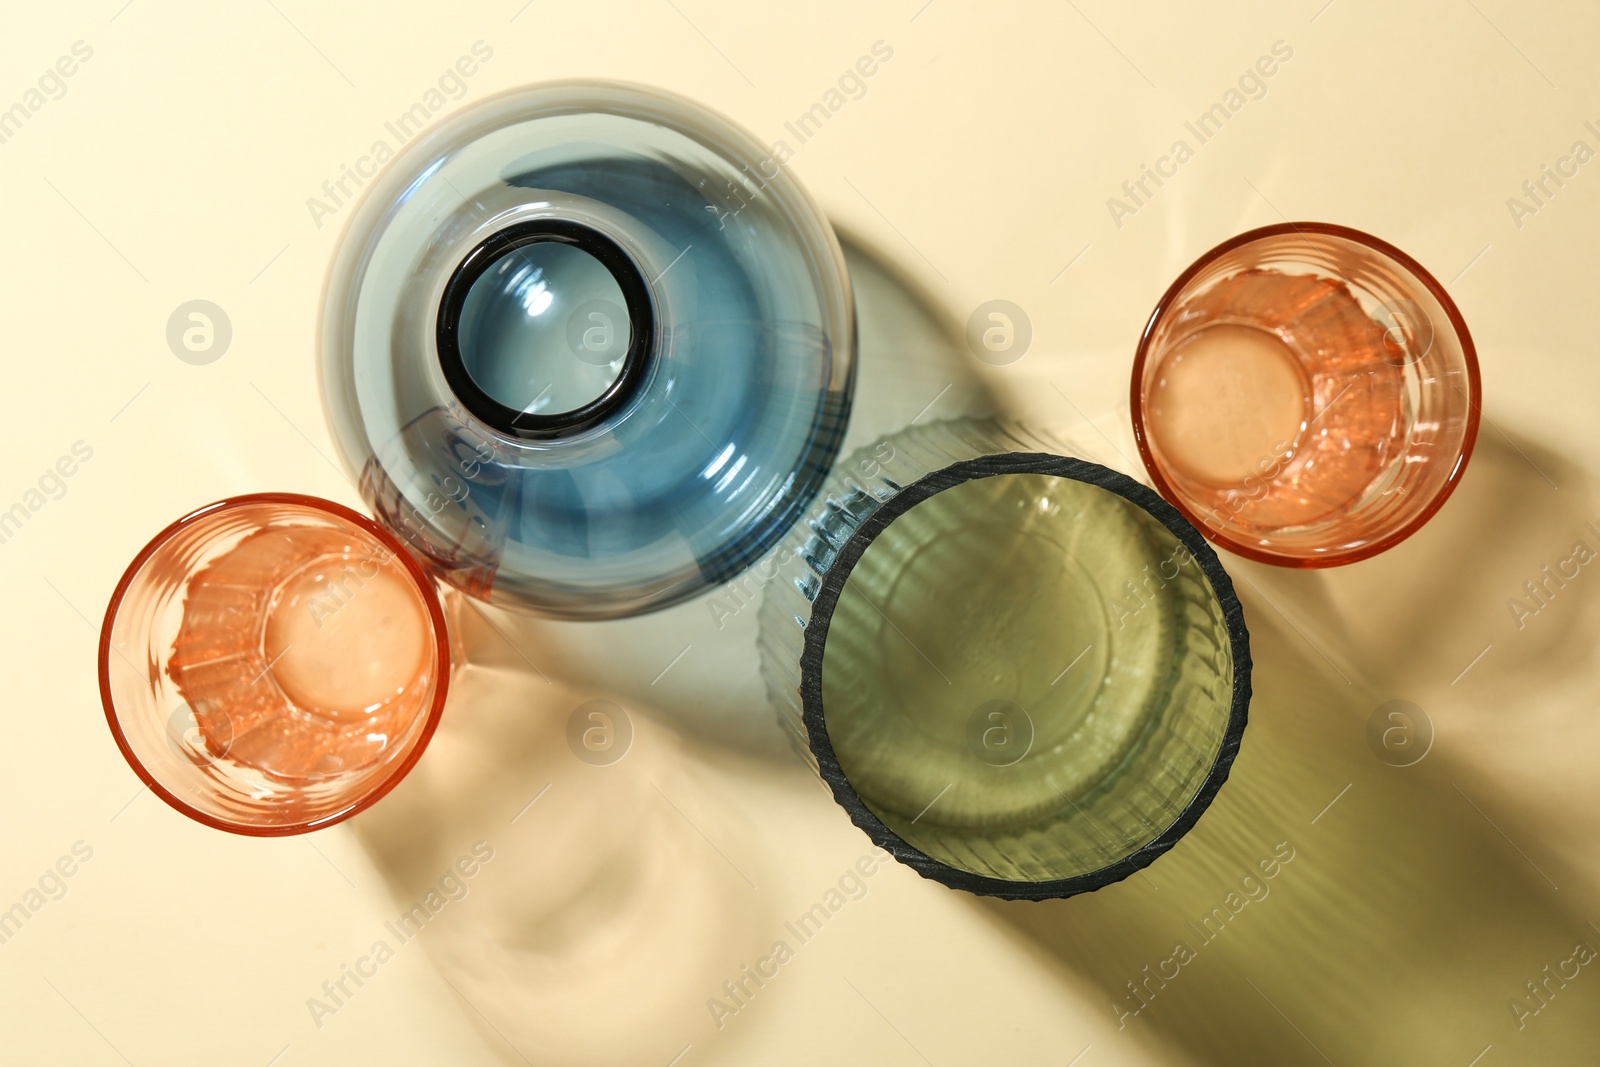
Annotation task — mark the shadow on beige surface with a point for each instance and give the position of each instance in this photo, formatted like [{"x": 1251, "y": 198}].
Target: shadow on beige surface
[
  {"x": 1417, "y": 614},
  {"x": 1407, "y": 924},
  {"x": 1398, "y": 932},
  {"x": 606, "y": 914},
  {"x": 915, "y": 365},
  {"x": 1487, "y": 621}
]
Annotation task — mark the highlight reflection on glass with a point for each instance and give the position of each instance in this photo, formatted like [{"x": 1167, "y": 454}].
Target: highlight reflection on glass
[
  {"x": 1023, "y": 674},
  {"x": 1306, "y": 394},
  {"x": 590, "y": 352},
  {"x": 272, "y": 664},
  {"x": 523, "y": 305}
]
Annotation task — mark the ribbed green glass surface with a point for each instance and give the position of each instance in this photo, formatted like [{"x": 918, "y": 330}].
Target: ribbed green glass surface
[{"x": 1026, "y": 677}]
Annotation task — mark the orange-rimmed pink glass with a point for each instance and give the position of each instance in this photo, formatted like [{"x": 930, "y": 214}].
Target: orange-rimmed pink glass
[
  {"x": 1306, "y": 394},
  {"x": 273, "y": 664}
]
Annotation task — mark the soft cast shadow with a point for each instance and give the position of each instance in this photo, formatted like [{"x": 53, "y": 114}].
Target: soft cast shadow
[
  {"x": 914, "y": 361},
  {"x": 696, "y": 665},
  {"x": 619, "y": 886},
  {"x": 1401, "y": 929},
  {"x": 1423, "y": 610},
  {"x": 1487, "y": 621}
]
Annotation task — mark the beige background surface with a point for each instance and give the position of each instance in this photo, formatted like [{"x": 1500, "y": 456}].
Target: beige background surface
[{"x": 177, "y": 165}]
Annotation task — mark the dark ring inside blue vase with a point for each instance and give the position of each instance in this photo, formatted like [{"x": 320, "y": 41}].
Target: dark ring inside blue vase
[{"x": 514, "y": 275}]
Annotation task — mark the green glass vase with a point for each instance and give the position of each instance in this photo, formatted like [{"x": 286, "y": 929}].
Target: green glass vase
[{"x": 1023, "y": 674}]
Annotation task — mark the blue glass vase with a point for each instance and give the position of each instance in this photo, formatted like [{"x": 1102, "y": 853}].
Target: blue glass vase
[{"x": 588, "y": 349}]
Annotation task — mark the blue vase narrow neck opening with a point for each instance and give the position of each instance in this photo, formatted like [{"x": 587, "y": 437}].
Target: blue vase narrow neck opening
[{"x": 545, "y": 329}]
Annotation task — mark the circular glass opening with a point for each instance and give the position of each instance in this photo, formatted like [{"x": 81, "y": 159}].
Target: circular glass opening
[
  {"x": 544, "y": 329},
  {"x": 738, "y": 350},
  {"x": 272, "y": 664},
  {"x": 1306, "y": 395},
  {"x": 1027, "y": 677}
]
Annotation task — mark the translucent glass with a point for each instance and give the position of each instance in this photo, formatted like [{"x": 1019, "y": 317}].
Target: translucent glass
[
  {"x": 273, "y": 664},
  {"x": 1023, "y": 674},
  {"x": 1306, "y": 394},
  {"x": 513, "y": 338},
  {"x": 588, "y": 349}
]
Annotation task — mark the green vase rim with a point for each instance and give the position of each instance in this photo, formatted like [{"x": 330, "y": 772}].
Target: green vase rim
[{"x": 826, "y": 601}]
